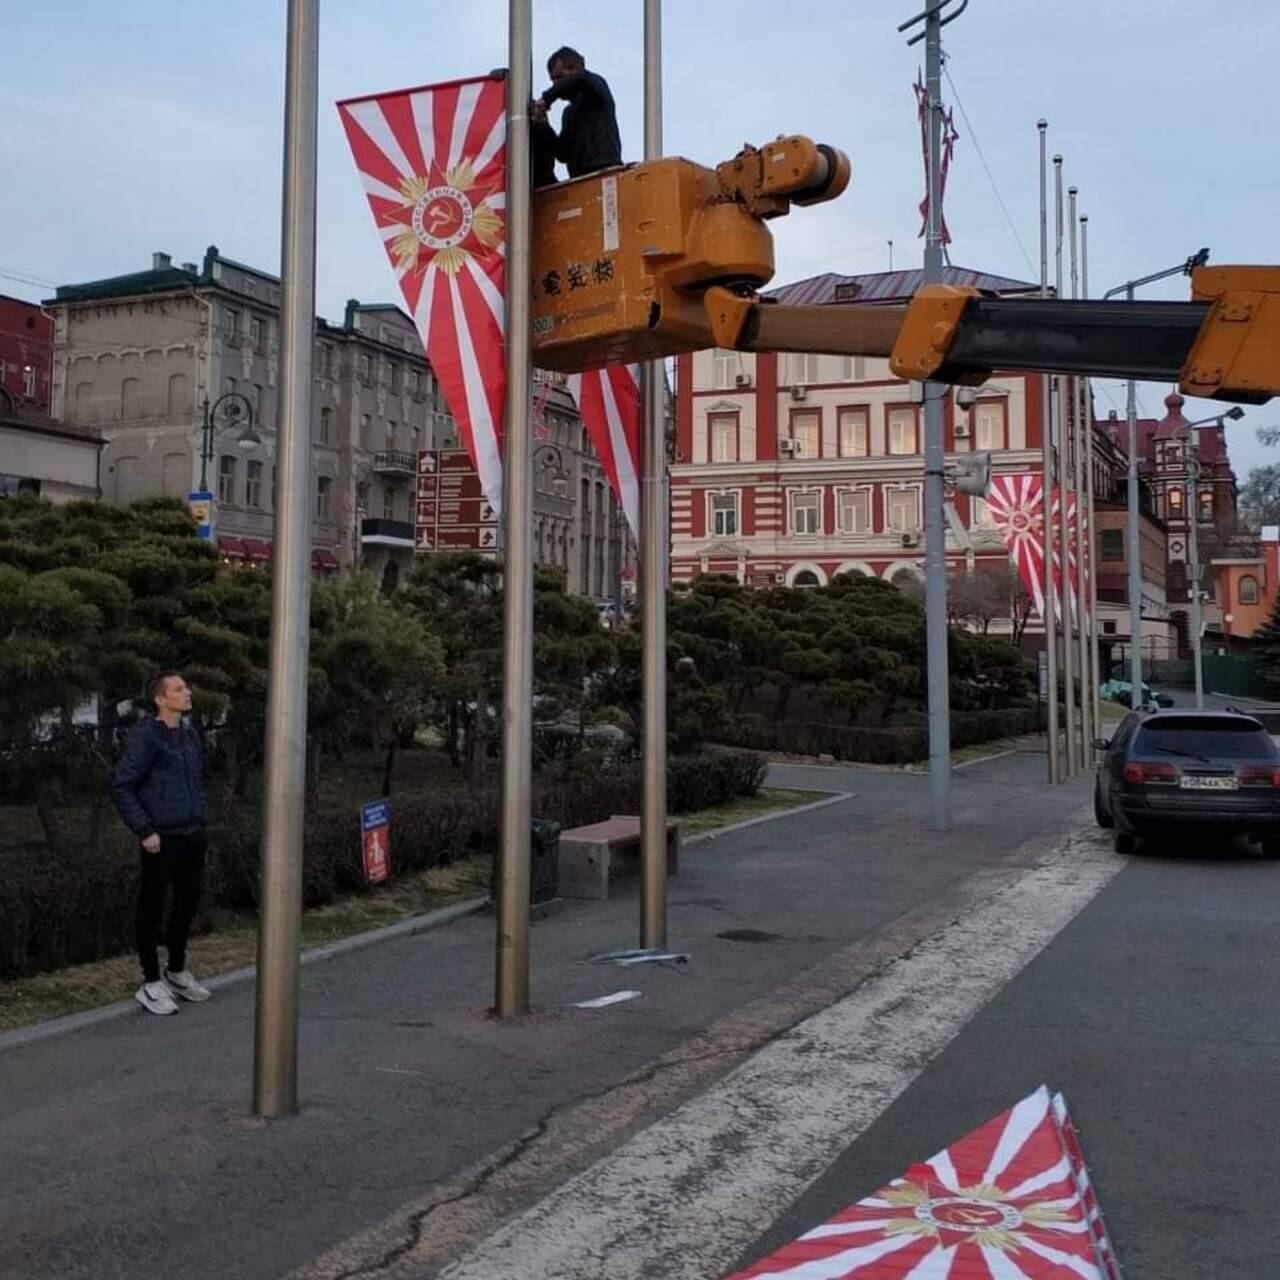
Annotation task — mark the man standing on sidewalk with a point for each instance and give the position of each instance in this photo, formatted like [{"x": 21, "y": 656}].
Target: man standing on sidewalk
[{"x": 158, "y": 786}]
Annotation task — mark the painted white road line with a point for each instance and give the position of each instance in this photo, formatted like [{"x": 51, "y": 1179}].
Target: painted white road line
[{"x": 683, "y": 1198}]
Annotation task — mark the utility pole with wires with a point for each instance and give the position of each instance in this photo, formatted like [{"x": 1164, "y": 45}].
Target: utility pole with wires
[{"x": 935, "y": 529}]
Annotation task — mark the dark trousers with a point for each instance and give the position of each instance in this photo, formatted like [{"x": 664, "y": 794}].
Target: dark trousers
[{"x": 178, "y": 862}]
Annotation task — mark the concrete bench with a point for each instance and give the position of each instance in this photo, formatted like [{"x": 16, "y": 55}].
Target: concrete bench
[{"x": 589, "y": 856}]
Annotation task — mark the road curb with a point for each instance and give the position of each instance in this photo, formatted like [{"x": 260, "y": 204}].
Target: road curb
[
  {"x": 52, "y": 1027},
  {"x": 835, "y": 798}
]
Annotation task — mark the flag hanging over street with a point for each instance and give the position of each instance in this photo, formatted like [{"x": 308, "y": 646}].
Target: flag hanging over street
[
  {"x": 609, "y": 401},
  {"x": 1016, "y": 503},
  {"x": 949, "y": 136},
  {"x": 1011, "y": 1201},
  {"x": 434, "y": 165}
]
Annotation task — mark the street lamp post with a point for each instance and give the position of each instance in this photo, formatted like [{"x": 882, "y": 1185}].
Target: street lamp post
[
  {"x": 1192, "y": 507},
  {"x": 233, "y": 409},
  {"x": 1134, "y": 539}
]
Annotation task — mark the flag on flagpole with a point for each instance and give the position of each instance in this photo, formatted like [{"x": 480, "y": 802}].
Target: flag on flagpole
[
  {"x": 434, "y": 165},
  {"x": 1011, "y": 1201},
  {"x": 949, "y": 136},
  {"x": 609, "y": 401}
]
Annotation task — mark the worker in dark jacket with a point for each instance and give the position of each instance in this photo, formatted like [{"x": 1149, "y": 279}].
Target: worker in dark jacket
[
  {"x": 588, "y": 140},
  {"x": 158, "y": 786}
]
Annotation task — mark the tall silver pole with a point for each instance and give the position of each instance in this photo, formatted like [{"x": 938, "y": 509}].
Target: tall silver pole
[
  {"x": 275, "y": 1059},
  {"x": 1070, "y": 756},
  {"x": 1135, "y": 547},
  {"x": 934, "y": 463},
  {"x": 1193, "y": 556},
  {"x": 653, "y": 565},
  {"x": 1080, "y": 431},
  {"x": 512, "y": 995},
  {"x": 1046, "y": 470},
  {"x": 1091, "y": 536}
]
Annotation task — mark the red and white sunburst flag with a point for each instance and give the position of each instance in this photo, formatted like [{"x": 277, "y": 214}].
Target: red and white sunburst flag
[
  {"x": 1004, "y": 1203},
  {"x": 609, "y": 401},
  {"x": 434, "y": 165},
  {"x": 1016, "y": 503}
]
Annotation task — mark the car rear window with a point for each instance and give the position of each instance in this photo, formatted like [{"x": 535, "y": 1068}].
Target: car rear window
[{"x": 1207, "y": 737}]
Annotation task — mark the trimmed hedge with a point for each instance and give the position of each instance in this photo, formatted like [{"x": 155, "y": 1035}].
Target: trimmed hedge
[
  {"x": 871, "y": 744},
  {"x": 73, "y": 908}
]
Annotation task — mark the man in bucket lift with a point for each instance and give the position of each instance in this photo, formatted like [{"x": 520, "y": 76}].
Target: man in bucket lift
[{"x": 588, "y": 140}]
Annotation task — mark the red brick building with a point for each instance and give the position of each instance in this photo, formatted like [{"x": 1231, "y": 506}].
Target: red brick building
[
  {"x": 26, "y": 355},
  {"x": 793, "y": 468}
]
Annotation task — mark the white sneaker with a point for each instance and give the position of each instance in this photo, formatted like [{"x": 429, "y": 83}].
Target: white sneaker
[
  {"x": 185, "y": 985},
  {"x": 155, "y": 997}
]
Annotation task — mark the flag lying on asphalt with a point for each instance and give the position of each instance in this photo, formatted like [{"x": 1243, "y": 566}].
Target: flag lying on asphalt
[{"x": 1011, "y": 1201}]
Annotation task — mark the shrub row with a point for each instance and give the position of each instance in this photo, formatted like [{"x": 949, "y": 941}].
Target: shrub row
[{"x": 75, "y": 908}]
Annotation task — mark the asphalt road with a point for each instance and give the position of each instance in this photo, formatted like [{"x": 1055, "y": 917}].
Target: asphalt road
[
  {"x": 1157, "y": 1012},
  {"x": 136, "y": 1155}
]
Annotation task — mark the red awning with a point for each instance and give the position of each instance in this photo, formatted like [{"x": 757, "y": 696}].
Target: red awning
[
  {"x": 322, "y": 558},
  {"x": 231, "y": 549},
  {"x": 255, "y": 550}
]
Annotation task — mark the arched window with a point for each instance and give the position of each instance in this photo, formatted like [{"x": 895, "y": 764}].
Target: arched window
[
  {"x": 806, "y": 578},
  {"x": 129, "y": 402},
  {"x": 179, "y": 394},
  {"x": 1248, "y": 589}
]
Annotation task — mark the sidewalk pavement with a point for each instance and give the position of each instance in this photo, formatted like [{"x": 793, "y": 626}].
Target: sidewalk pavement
[{"x": 138, "y": 1156}]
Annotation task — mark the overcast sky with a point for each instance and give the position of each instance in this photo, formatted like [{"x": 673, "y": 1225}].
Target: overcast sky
[{"x": 142, "y": 125}]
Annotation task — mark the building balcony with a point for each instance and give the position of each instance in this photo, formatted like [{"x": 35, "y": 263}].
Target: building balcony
[
  {"x": 395, "y": 463},
  {"x": 378, "y": 532}
]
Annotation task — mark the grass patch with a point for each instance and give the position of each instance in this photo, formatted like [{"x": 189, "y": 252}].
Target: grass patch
[
  {"x": 766, "y": 800},
  {"x": 233, "y": 944}
]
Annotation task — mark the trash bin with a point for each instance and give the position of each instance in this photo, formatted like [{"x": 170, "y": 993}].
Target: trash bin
[{"x": 544, "y": 863}]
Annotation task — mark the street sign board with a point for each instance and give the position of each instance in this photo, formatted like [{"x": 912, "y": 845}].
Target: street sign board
[
  {"x": 451, "y": 512},
  {"x": 375, "y": 840}
]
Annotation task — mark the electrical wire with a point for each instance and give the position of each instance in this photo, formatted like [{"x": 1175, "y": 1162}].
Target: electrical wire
[{"x": 977, "y": 146}]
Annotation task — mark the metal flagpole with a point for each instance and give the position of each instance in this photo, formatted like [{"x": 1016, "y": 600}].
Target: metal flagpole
[
  {"x": 275, "y": 1059},
  {"x": 1046, "y": 471},
  {"x": 1091, "y": 535},
  {"x": 653, "y": 565},
  {"x": 1064, "y": 530},
  {"x": 1133, "y": 543},
  {"x": 934, "y": 460},
  {"x": 1078, "y": 434},
  {"x": 512, "y": 995}
]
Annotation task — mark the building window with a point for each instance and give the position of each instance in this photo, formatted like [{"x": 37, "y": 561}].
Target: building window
[
  {"x": 253, "y": 484},
  {"x": 980, "y": 516},
  {"x": 1248, "y": 589},
  {"x": 1113, "y": 544},
  {"x": 723, "y": 428},
  {"x": 324, "y": 497},
  {"x": 852, "y": 427},
  {"x": 129, "y": 405},
  {"x": 806, "y": 513},
  {"x": 724, "y": 514},
  {"x": 804, "y": 370},
  {"x": 397, "y": 377},
  {"x": 902, "y": 431},
  {"x": 366, "y": 431},
  {"x": 326, "y": 425},
  {"x": 255, "y": 399},
  {"x": 724, "y": 368},
  {"x": 1108, "y": 627},
  {"x": 29, "y": 381},
  {"x": 233, "y": 326},
  {"x": 366, "y": 370},
  {"x": 988, "y": 425},
  {"x": 806, "y": 433},
  {"x": 806, "y": 579},
  {"x": 854, "y": 369},
  {"x": 415, "y": 383},
  {"x": 855, "y": 511},
  {"x": 388, "y": 504},
  {"x": 904, "y": 510},
  {"x": 258, "y": 333},
  {"x": 1175, "y": 502},
  {"x": 1206, "y": 506},
  {"x": 362, "y": 496},
  {"x": 227, "y": 478}
]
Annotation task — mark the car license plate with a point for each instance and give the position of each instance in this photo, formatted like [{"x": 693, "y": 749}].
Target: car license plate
[{"x": 1192, "y": 783}]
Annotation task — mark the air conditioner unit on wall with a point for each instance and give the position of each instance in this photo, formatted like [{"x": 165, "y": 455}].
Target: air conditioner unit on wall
[
  {"x": 741, "y": 379},
  {"x": 799, "y": 393},
  {"x": 962, "y": 430},
  {"x": 787, "y": 447},
  {"x": 779, "y": 577},
  {"x": 910, "y": 539}
]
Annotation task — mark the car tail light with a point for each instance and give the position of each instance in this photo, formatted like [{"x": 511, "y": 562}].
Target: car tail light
[
  {"x": 1139, "y": 773},
  {"x": 1257, "y": 775}
]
